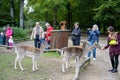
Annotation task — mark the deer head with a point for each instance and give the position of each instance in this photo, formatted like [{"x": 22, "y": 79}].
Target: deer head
[{"x": 97, "y": 45}]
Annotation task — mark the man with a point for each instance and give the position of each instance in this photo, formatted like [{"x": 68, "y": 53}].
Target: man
[
  {"x": 37, "y": 35},
  {"x": 76, "y": 34}
]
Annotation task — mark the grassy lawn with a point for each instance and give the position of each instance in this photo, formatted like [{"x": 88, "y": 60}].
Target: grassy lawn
[{"x": 7, "y": 71}]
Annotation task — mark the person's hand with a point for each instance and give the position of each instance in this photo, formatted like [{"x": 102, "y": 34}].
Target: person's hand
[
  {"x": 102, "y": 48},
  {"x": 45, "y": 32},
  {"x": 31, "y": 38}
]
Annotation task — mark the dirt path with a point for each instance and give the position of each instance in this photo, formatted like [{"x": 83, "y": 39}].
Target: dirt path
[{"x": 97, "y": 70}]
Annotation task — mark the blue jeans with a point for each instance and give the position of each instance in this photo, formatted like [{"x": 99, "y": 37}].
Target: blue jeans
[
  {"x": 94, "y": 50},
  {"x": 38, "y": 42}
]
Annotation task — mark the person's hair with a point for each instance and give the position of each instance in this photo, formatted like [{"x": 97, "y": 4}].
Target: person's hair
[
  {"x": 47, "y": 24},
  {"x": 95, "y": 26},
  {"x": 76, "y": 23},
  {"x": 37, "y": 23},
  {"x": 110, "y": 28}
]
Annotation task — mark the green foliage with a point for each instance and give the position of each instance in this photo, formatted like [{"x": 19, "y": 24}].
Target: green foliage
[
  {"x": 87, "y": 12},
  {"x": 108, "y": 13},
  {"x": 5, "y": 18},
  {"x": 21, "y": 34}
]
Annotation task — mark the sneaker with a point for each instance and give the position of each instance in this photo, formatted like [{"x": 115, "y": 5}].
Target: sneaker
[{"x": 94, "y": 59}]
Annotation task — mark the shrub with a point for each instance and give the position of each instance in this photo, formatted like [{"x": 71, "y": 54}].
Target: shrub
[{"x": 20, "y": 34}]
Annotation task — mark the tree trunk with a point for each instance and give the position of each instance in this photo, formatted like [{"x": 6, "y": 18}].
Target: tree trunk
[
  {"x": 22, "y": 14},
  {"x": 12, "y": 13},
  {"x": 0, "y": 5},
  {"x": 55, "y": 16},
  {"x": 69, "y": 15}
]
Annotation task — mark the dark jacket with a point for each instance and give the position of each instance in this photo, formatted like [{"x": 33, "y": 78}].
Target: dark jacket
[
  {"x": 76, "y": 34},
  {"x": 113, "y": 49}
]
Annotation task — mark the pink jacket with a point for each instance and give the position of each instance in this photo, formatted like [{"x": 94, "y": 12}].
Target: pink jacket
[{"x": 9, "y": 32}]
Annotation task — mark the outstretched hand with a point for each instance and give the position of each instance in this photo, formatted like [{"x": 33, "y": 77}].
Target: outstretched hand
[{"x": 102, "y": 48}]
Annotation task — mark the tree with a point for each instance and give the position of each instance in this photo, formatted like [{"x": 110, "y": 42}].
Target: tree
[
  {"x": 108, "y": 14},
  {"x": 22, "y": 14},
  {"x": 12, "y": 13}
]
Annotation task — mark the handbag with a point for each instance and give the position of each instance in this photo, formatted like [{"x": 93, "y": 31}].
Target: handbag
[{"x": 114, "y": 41}]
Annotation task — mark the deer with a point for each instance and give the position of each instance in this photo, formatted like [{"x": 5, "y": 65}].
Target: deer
[
  {"x": 28, "y": 51},
  {"x": 75, "y": 52}
]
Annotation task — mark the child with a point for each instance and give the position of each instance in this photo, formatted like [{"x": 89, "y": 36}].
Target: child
[{"x": 10, "y": 42}]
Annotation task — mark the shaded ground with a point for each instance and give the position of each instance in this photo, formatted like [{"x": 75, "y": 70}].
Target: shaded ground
[{"x": 50, "y": 68}]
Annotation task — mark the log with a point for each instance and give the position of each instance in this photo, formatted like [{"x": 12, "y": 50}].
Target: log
[{"x": 78, "y": 68}]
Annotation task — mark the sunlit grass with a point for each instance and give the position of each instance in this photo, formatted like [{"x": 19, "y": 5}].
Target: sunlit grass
[
  {"x": 51, "y": 54},
  {"x": 7, "y": 71}
]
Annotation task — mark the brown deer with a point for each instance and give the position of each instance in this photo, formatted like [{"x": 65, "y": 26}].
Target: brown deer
[
  {"x": 28, "y": 51},
  {"x": 75, "y": 52}
]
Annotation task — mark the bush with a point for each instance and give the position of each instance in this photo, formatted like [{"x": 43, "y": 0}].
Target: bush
[{"x": 21, "y": 34}]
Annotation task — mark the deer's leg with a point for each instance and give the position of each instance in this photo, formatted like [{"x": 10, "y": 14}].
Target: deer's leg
[
  {"x": 33, "y": 61},
  {"x": 77, "y": 60},
  {"x": 36, "y": 65},
  {"x": 63, "y": 64},
  {"x": 20, "y": 62},
  {"x": 16, "y": 60},
  {"x": 68, "y": 62}
]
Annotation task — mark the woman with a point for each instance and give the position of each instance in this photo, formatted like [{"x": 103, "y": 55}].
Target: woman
[
  {"x": 37, "y": 35},
  {"x": 48, "y": 32},
  {"x": 93, "y": 37},
  {"x": 114, "y": 48},
  {"x": 76, "y": 35}
]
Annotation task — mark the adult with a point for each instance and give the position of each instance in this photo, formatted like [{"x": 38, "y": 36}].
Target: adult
[
  {"x": 4, "y": 35},
  {"x": 114, "y": 48},
  {"x": 37, "y": 35},
  {"x": 92, "y": 38},
  {"x": 9, "y": 33},
  {"x": 76, "y": 34},
  {"x": 48, "y": 32}
]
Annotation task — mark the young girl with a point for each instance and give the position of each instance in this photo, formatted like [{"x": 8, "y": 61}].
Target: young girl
[{"x": 10, "y": 42}]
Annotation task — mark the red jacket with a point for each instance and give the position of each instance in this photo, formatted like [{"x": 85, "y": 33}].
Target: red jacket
[{"x": 48, "y": 35}]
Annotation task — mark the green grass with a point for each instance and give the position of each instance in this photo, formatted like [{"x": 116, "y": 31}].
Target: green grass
[
  {"x": 51, "y": 54},
  {"x": 7, "y": 71}
]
